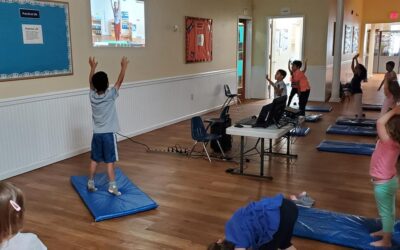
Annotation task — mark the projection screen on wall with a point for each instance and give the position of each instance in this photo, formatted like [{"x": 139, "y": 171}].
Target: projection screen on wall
[{"x": 118, "y": 23}]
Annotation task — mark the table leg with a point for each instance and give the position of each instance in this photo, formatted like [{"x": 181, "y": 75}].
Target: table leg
[
  {"x": 270, "y": 145},
  {"x": 262, "y": 158},
  {"x": 241, "y": 154}
]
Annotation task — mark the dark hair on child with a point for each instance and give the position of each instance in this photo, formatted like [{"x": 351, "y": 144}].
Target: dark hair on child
[
  {"x": 297, "y": 63},
  {"x": 363, "y": 72},
  {"x": 100, "y": 81},
  {"x": 391, "y": 64},
  {"x": 394, "y": 89},
  {"x": 282, "y": 72},
  {"x": 393, "y": 128},
  {"x": 225, "y": 245}
]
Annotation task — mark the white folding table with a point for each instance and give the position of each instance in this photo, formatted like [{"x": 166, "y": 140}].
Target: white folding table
[{"x": 271, "y": 132}]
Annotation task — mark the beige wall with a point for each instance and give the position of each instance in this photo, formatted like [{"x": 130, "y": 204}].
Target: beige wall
[
  {"x": 315, "y": 14},
  {"x": 377, "y": 11},
  {"x": 330, "y": 31},
  {"x": 164, "y": 52},
  {"x": 353, "y": 14},
  {"x": 350, "y": 19}
]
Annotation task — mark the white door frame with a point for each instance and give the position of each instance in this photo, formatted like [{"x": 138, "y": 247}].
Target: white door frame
[
  {"x": 249, "y": 42},
  {"x": 267, "y": 54}
]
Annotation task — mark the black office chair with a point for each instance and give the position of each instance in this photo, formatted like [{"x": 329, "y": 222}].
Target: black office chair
[
  {"x": 199, "y": 134},
  {"x": 230, "y": 96}
]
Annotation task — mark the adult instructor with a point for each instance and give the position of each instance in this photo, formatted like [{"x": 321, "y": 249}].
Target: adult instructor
[{"x": 116, "y": 7}]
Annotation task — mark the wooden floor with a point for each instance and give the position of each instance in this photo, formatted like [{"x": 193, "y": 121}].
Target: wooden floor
[{"x": 195, "y": 197}]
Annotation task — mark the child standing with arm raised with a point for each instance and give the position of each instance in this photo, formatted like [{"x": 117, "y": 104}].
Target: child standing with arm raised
[
  {"x": 293, "y": 85},
  {"x": 384, "y": 174},
  {"x": 279, "y": 86},
  {"x": 105, "y": 123},
  {"x": 300, "y": 79},
  {"x": 360, "y": 75},
  {"x": 390, "y": 75}
]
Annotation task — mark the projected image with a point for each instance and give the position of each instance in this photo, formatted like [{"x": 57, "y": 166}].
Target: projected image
[{"x": 118, "y": 23}]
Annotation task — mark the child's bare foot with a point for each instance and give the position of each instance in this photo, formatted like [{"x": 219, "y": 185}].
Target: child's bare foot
[
  {"x": 291, "y": 248},
  {"x": 381, "y": 243},
  {"x": 376, "y": 234}
]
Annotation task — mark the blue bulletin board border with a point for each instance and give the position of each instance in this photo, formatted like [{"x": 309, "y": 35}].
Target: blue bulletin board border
[{"x": 24, "y": 60}]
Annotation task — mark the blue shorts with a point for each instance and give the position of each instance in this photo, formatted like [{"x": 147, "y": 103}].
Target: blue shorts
[{"x": 104, "y": 148}]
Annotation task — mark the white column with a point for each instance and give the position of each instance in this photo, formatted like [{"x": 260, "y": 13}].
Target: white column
[
  {"x": 371, "y": 52},
  {"x": 337, "y": 57}
]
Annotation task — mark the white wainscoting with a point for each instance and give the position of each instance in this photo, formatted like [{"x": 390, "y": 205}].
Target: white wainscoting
[
  {"x": 39, "y": 130},
  {"x": 317, "y": 77}
]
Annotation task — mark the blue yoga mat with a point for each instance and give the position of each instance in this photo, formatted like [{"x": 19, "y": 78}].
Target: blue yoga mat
[
  {"x": 313, "y": 118},
  {"x": 340, "y": 229},
  {"x": 325, "y": 108},
  {"x": 299, "y": 131},
  {"x": 346, "y": 147},
  {"x": 372, "y": 107},
  {"x": 356, "y": 121},
  {"x": 351, "y": 130},
  {"x": 103, "y": 205}
]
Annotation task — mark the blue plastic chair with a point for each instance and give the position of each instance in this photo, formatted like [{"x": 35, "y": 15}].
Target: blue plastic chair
[
  {"x": 199, "y": 134},
  {"x": 229, "y": 96}
]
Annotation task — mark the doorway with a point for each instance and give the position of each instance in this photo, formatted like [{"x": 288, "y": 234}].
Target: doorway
[
  {"x": 243, "y": 64},
  {"x": 384, "y": 46},
  {"x": 284, "y": 43}
]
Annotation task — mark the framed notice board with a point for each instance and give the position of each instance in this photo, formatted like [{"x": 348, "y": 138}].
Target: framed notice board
[
  {"x": 198, "y": 39},
  {"x": 35, "y": 39}
]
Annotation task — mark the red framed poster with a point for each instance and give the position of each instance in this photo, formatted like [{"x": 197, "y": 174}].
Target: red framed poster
[{"x": 198, "y": 39}]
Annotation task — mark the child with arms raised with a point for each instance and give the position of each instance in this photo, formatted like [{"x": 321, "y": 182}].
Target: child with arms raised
[
  {"x": 360, "y": 75},
  {"x": 279, "y": 86},
  {"x": 105, "y": 123},
  {"x": 384, "y": 174}
]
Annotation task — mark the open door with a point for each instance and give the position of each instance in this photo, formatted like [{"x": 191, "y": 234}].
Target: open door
[
  {"x": 285, "y": 42},
  {"x": 241, "y": 59}
]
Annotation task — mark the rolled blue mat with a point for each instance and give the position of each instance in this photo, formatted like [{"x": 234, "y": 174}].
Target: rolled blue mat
[
  {"x": 364, "y": 122},
  {"x": 346, "y": 147},
  {"x": 313, "y": 118},
  {"x": 325, "y": 108},
  {"x": 299, "y": 131},
  {"x": 372, "y": 107},
  {"x": 351, "y": 130}
]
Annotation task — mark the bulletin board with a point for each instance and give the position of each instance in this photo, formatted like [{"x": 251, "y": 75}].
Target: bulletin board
[
  {"x": 35, "y": 39},
  {"x": 198, "y": 39}
]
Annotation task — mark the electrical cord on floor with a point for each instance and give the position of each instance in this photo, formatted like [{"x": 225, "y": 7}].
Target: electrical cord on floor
[
  {"x": 140, "y": 143},
  {"x": 171, "y": 149}
]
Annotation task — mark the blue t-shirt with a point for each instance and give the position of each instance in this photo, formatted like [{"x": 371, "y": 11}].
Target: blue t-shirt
[
  {"x": 254, "y": 225},
  {"x": 104, "y": 113}
]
